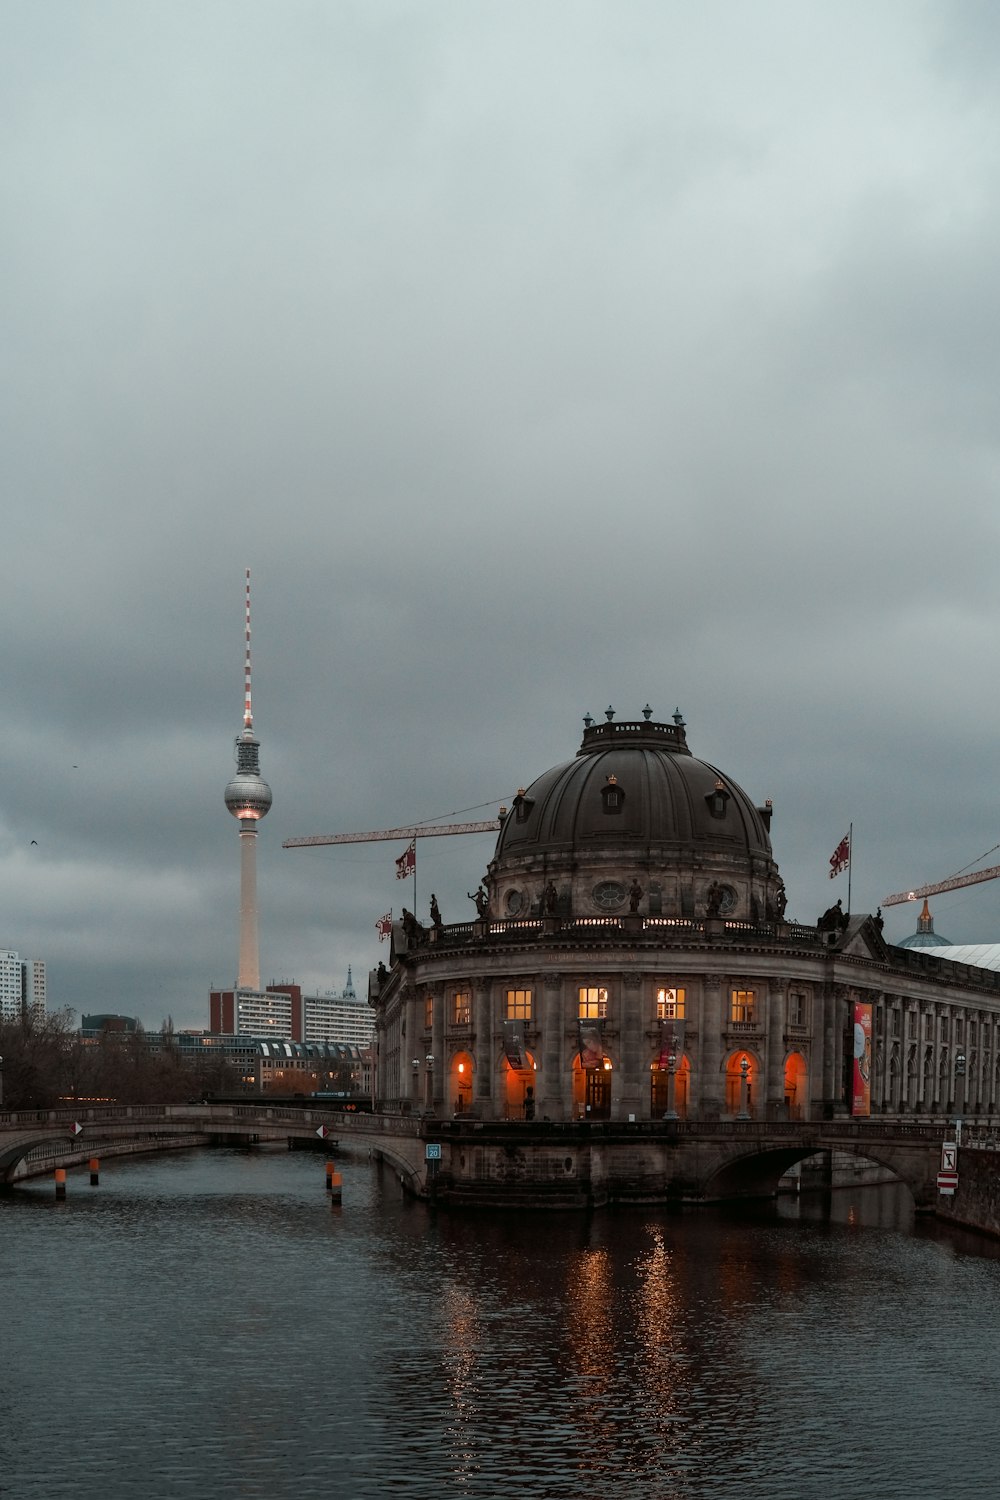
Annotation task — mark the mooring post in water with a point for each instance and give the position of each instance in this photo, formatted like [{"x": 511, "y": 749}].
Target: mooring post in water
[
  {"x": 95, "y": 1170},
  {"x": 334, "y": 1182},
  {"x": 60, "y": 1176}
]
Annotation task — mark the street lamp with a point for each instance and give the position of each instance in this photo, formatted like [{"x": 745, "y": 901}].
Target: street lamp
[
  {"x": 1, "y": 1083},
  {"x": 959, "y": 1086},
  {"x": 744, "y": 1113}
]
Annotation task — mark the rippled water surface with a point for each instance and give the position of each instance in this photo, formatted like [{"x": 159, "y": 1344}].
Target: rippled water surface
[{"x": 206, "y": 1325}]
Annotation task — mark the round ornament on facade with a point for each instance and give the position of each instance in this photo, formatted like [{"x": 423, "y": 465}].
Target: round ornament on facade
[
  {"x": 608, "y": 895},
  {"x": 727, "y": 901},
  {"x": 514, "y": 903}
]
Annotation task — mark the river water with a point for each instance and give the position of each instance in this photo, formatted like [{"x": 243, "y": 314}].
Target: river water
[{"x": 206, "y": 1325}]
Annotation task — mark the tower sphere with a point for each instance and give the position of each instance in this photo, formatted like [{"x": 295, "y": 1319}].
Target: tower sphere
[{"x": 248, "y": 796}]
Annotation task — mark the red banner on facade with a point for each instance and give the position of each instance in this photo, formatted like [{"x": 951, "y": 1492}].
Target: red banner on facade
[
  {"x": 861, "y": 1087},
  {"x": 591, "y": 1044}
]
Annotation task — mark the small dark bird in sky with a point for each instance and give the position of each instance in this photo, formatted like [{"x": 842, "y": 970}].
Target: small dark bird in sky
[{"x": 35, "y": 842}]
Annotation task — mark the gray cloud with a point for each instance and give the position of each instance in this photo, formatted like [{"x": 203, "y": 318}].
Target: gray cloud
[{"x": 534, "y": 357}]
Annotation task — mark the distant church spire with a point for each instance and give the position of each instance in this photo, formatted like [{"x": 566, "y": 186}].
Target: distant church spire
[{"x": 925, "y": 936}]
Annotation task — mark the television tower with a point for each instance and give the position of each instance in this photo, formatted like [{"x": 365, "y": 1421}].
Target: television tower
[{"x": 248, "y": 798}]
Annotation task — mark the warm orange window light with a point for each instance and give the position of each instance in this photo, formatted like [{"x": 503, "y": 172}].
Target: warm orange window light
[
  {"x": 593, "y": 1003},
  {"x": 428, "y": 1012},
  {"x": 744, "y": 1004},
  {"x": 669, "y": 1004},
  {"x": 462, "y": 1007},
  {"x": 518, "y": 1005}
]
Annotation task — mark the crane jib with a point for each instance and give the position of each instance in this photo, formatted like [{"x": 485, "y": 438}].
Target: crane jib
[
  {"x": 431, "y": 831},
  {"x": 955, "y": 883}
]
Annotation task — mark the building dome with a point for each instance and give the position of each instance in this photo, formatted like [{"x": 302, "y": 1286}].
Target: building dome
[
  {"x": 925, "y": 936},
  {"x": 635, "y": 809}
]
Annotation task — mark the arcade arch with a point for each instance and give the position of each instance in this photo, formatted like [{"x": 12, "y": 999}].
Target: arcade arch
[
  {"x": 519, "y": 1089},
  {"x": 592, "y": 1088}
]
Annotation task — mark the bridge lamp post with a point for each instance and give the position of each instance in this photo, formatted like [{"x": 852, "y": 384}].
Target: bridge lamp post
[
  {"x": 744, "y": 1113},
  {"x": 959, "y": 1085},
  {"x": 429, "y": 1065},
  {"x": 1, "y": 1083},
  {"x": 671, "y": 1112}
]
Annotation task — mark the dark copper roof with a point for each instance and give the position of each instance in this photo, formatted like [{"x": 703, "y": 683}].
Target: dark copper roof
[{"x": 667, "y": 797}]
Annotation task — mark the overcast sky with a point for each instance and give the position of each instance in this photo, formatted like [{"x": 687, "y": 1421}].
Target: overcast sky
[{"x": 535, "y": 357}]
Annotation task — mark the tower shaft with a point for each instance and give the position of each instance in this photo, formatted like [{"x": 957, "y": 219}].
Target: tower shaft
[{"x": 249, "y": 972}]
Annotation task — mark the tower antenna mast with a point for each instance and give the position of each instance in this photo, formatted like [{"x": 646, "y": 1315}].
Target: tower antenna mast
[{"x": 247, "y": 695}]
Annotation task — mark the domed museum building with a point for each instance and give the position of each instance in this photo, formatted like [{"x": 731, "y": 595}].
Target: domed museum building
[{"x": 632, "y": 961}]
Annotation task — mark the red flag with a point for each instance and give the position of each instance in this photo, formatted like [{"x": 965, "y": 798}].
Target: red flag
[
  {"x": 841, "y": 856},
  {"x": 407, "y": 861},
  {"x": 384, "y": 926}
]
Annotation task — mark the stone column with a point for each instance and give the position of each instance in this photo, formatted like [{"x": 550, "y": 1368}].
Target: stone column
[
  {"x": 633, "y": 1065},
  {"x": 830, "y": 1101},
  {"x": 439, "y": 1104},
  {"x": 482, "y": 1017},
  {"x": 840, "y": 1016},
  {"x": 927, "y": 1075},
  {"x": 411, "y": 1047},
  {"x": 708, "y": 1088},
  {"x": 774, "y": 1045},
  {"x": 552, "y": 1086}
]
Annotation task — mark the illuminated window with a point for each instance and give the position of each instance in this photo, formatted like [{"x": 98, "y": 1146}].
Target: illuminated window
[
  {"x": 593, "y": 1003},
  {"x": 462, "y": 1012},
  {"x": 428, "y": 1012},
  {"x": 669, "y": 1004},
  {"x": 744, "y": 1006},
  {"x": 519, "y": 1005}
]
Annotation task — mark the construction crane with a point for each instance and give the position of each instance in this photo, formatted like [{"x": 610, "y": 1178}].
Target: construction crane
[
  {"x": 415, "y": 831},
  {"x": 954, "y": 884}
]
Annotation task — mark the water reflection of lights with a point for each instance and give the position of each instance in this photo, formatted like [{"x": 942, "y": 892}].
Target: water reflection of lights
[
  {"x": 459, "y": 1356},
  {"x": 589, "y": 1310}
]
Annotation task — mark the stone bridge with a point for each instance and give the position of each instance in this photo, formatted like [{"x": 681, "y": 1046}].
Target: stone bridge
[
  {"x": 590, "y": 1164},
  {"x": 497, "y": 1163},
  {"x": 33, "y": 1143}
]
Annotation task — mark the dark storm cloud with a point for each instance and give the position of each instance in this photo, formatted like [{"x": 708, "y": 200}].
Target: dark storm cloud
[{"x": 534, "y": 358}]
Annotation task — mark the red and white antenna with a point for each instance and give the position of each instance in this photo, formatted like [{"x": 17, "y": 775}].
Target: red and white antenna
[{"x": 247, "y": 706}]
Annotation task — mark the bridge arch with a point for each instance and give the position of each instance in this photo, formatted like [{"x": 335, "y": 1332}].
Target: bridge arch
[{"x": 756, "y": 1172}]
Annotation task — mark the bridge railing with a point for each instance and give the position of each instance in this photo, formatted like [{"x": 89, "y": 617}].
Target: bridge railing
[{"x": 823, "y": 1131}]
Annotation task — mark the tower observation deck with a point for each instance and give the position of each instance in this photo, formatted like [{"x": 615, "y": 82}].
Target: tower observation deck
[{"x": 248, "y": 798}]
